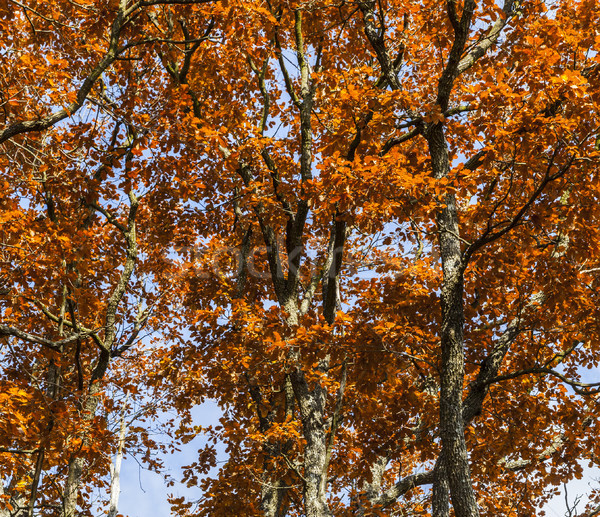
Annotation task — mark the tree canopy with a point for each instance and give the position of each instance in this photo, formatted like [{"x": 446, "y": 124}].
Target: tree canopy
[{"x": 369, "y": 230}]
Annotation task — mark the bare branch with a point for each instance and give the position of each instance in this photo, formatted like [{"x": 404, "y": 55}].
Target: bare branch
[
  {"x": 111, "y": 219},
  {"x": 57, "y": 319},
  {"x": 581, "y": 388},
  {"x": 394, "y": 141},
  {"x": 490, "y": 236},
  {"x": 6, "y": 330},
  {"x": 478, "y": 388}
]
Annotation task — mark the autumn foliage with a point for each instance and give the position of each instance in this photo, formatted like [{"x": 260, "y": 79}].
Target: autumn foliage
[{"x": 370, "y": 231}]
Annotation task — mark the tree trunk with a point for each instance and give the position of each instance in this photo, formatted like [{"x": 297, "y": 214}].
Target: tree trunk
[
  {"x": 311, "y": 404},
  {"x": 77, "y": 462},
  {"x": 115, "y": 469},
  {"x": 440, "y": 503},
  {"x": 454, "y": 449}
]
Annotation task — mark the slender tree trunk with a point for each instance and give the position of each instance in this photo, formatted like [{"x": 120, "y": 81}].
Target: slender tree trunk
[
  {"x": 77, "y": 462},
  {"x": 454, "y": 449},
  {"x": 115, "y": 469},
  {"x": 37, "y": 473}
]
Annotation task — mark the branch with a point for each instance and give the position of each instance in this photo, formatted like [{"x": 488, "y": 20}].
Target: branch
[
  {"x": 276, "y": 179},
  {"x": 56, "y": 319},
  {"x": 478, "y": 388},
  {"x": 487, "y": 41},
  {"x": 295, "y": 230},
  {"x": 457, "y": 110},
  {"x": 394, "y": 141},
  {"x": 355, "y": 142},
  {"x": 335, "y": 419},
  {"x": 149, "y": 3},
  {"x": 548, "y": 452},
  {"x": 6, "y": 330},
  {"x": 8, "y": 450},
  {"x": 451, "y": 10},
  {"x": 489, "y": 236},
  {"x": 111, "y": 219},
  {"x": 37, "y": 13},
  {"x": 289, "y": 86},
  {"x": 475, "y": 161},
  {"x": 245, "y": 172},
  {"x": 390, "y": 496},
  {"x": 189, "y": 51},
  {"x": 260, "y": 79},
  {"x": 122, "y": 18},
  {"x": 376, "y": 37},
  {"x": 317, "y": 277},
  {"x": 243, "y": 264},
  {"x": 111, "y": 55},
  {"x": 330, "y": 302},
  {"x": 139, "y": 324},
  {"x": 461, "y": 35},
  {"x": 119, "y": 290},
  {"x": 115, "y": 468},
  {"x": 579, "y": 387}
]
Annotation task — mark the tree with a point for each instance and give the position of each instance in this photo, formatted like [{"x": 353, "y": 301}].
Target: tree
[
  {"x": 71, "y": 300},
  {"x": 367, "y": 229}
]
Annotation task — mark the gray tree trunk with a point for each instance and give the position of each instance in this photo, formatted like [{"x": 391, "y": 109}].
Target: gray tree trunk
[
  {"x": 454, "y": 449},
  {"x": 311, "y": 404}
]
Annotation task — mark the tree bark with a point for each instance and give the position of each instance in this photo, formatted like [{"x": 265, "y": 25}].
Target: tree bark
[
  {"x": 454, "y": 449},
  {"x": 311, "y": 404},
  {"x": 440, "y": 503}
]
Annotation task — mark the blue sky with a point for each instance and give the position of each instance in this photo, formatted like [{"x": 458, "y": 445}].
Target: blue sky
[{"x": 144, "y": 493}]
